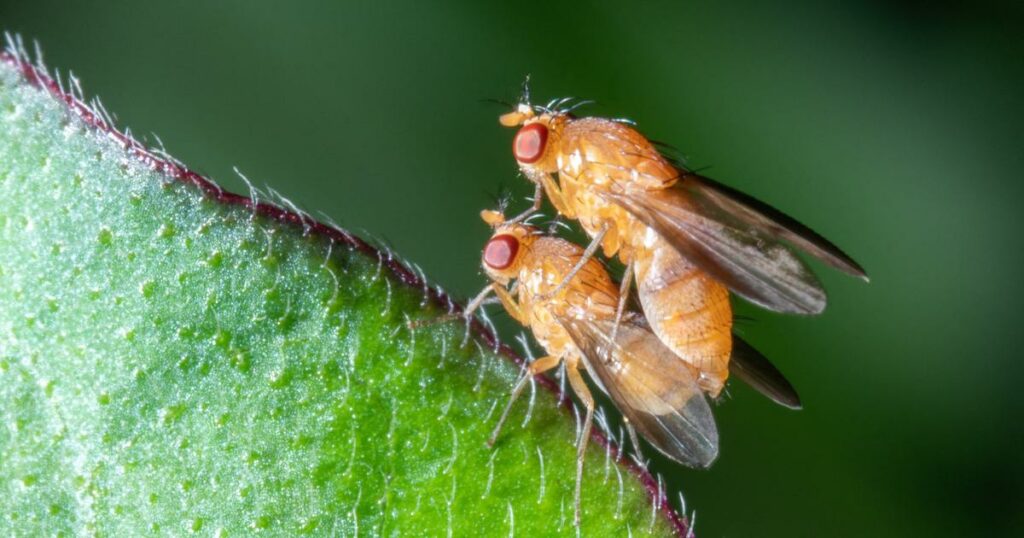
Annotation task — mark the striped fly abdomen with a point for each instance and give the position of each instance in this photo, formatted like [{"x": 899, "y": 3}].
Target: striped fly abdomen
[{"x": 688, "y": 310}]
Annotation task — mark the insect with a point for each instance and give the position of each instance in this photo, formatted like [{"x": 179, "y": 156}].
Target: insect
[
  {"x": 685, "y": 239},
  {"x": 579, "y": 325}
]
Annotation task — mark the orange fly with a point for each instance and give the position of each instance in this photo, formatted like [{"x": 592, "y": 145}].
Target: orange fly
[
  {"x": 685, "y": 238},
  {"x": 579, "y": 324}
]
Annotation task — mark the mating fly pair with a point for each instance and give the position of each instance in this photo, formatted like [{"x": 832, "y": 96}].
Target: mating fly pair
[{"x": 686, "y": 241}]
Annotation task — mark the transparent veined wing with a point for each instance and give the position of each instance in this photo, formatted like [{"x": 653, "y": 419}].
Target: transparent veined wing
[
  {"x": 655, "y": 390},
  {"x": 756, "y": 370},
  {"x": 774, "y": 222},
  {"x": 739, "y": 241}
]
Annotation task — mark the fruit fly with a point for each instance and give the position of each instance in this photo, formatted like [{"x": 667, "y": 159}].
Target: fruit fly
[
  {"x": 579, "y": 325},
  {"x": 686, "y": 239}
]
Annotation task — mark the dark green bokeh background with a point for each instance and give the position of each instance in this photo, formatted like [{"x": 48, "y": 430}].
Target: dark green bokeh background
[{"x": 893, "y": 128}]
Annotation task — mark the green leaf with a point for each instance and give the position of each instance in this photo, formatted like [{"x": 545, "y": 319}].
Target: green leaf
[{"x": 174, "y": 361}]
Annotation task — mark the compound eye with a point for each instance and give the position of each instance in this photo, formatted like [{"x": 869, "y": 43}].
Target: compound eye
[
  {"x": 528, "y": 145},
  {"x": 501, "y": 251}
]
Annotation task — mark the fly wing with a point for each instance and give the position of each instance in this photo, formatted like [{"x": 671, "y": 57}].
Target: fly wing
[
  {"x": 757, "y": 371},
  {"x": 774, "y": 222},
  {"x": 739, "y": 241},
  {"x": 652, "y": 387}
]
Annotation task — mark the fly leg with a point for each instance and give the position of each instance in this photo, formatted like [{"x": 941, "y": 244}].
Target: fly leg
[
  {"x": 467, "y": 314},
  {"x": 538, "y": 200},
  {"x": 556, "y": 195},
  {"x": 587, "y": 255},
  {"x": 623, "y": 297},
  {"x": 509, "y": 302},
  {"x": 536, "y": 367},
  {"x": 472, "y": 306},
  {"x": 580, "y": 388},
  {"x": 545, "y": 183},
  {"x": 504, "y": 296},
  {"x": 477, "y": 301}
]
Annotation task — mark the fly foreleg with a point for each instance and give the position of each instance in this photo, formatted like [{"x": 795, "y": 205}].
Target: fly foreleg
[
  {"x": 472, "y": 306},
  {"x": 536, "y": 367},
  {"x": 556, "y": 195},
  {"x": 466, "y": 315},
  {"x": 624, "y": 286},
  {"x": 513, "y": 307},
  {"x": 580, "y": 388},
  {"x": 587, "y": 255},
  {"x": 538, "y": 200}
]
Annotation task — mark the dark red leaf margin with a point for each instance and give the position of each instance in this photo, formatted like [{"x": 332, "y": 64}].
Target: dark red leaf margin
[{"x": 38, "y": 77}]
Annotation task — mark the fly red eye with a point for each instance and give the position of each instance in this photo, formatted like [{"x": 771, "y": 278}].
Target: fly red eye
[
  {"x": 528, "y": 145},
  {"x": 501, "y": 251}
]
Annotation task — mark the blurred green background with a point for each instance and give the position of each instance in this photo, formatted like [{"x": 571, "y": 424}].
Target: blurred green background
[{"x": 893, "y": 128}]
